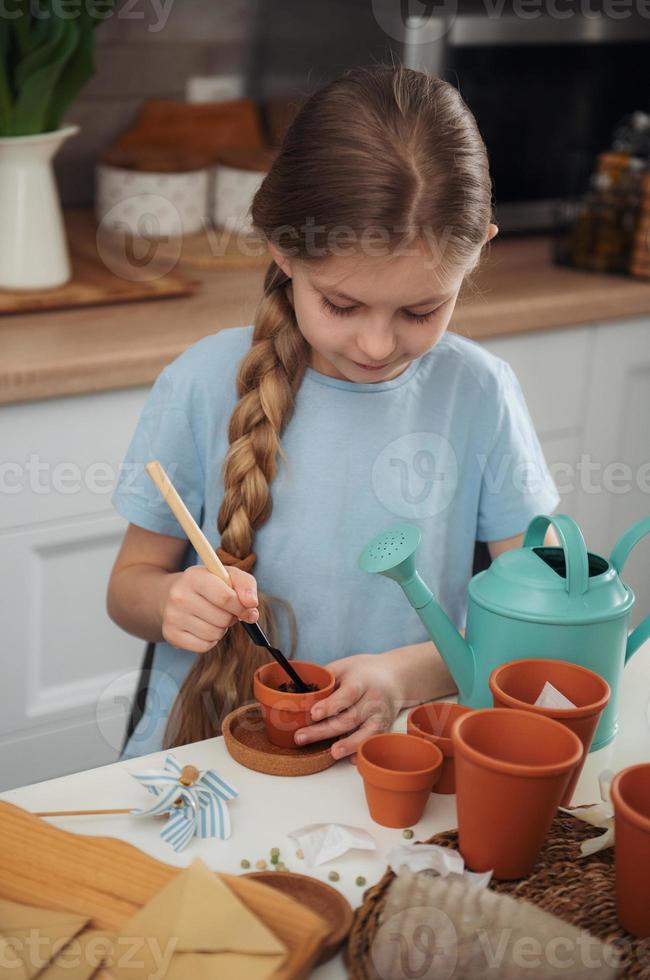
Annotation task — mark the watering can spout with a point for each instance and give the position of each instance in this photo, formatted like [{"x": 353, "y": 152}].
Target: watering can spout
[{"x": 392, "y": 554}]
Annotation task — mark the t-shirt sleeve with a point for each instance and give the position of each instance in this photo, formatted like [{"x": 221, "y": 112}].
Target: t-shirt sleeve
[
  {"x": 516, "y": 484},
  {"x": 164, "y": 433}
]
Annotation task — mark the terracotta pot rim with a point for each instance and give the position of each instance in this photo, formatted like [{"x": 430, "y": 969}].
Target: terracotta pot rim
[
  {"x": 524, "y": 770},
  {"x": 620, "y": 803},
  {"x": 445, "y": 740},
  {"x": 561, "y": 714},
  {"x": 373, "y": 769},
  {"x": 271, "y": 695}
]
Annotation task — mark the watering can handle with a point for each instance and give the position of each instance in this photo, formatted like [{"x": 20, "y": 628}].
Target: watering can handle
[
  {"x": 618, "y": 557},
  {"x": 573, "y": 545}
]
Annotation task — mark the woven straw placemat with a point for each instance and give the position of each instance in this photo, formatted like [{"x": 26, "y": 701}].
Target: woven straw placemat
[{"x": 578, "y": 889}]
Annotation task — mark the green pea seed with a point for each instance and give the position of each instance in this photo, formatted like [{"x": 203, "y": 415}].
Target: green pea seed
[
  {"x": 275, "y": 858},
  {"x": 280, "y": 866},
  {"x": 333, "y": 876},
  {"x": 360, "y": 880},
  {"x": 408, "y": 834},
  {"x": 244, "y": 863},
  {"x": 275, "y": 852}
]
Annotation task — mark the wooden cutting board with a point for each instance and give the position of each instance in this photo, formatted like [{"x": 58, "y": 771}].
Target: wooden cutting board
[
  {"x": 109, "y": 880},
  {"x": 101, "y": 276}
]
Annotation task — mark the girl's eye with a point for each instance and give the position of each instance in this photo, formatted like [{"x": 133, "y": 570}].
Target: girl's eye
[
  {"x": 346, "y": 310},
  {"x": 419, "y": 317},
  {"x": 337, "y": 310}
]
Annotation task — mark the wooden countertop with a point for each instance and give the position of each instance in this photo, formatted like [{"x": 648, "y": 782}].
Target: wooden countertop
[{"x": 66, "y": 352}]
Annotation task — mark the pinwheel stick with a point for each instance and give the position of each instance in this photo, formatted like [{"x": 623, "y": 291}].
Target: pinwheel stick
[{"x": 188, "y": 777}]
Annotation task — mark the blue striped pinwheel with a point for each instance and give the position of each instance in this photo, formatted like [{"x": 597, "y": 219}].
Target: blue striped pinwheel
[{"x": 196, "y": 804}]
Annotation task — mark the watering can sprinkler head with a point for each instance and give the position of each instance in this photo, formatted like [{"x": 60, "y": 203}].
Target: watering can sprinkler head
[{"x": 392, "y": 553}]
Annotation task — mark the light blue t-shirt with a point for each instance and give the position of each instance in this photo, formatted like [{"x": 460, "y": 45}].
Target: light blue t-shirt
[{"x": 448, "y": 445}]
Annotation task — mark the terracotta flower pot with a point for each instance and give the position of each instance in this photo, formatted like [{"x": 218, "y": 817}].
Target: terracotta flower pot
[
  {"x": 518, "y": 684},
  {"x": 398, "y": 772},
  {"x": 433, "y": 722},
  {"x": 512, "y": 768},
  {"x": 284, "y": 713},
  {"x": 631, "y": 797}
]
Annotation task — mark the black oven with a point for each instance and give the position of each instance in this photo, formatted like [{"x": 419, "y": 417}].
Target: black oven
[
  {"x": 548, "y": 80},
  {"x": 547, "y": 90}
]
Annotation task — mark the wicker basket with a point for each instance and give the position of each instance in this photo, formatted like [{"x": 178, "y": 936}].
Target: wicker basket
[{"x": 578, "y": 889}]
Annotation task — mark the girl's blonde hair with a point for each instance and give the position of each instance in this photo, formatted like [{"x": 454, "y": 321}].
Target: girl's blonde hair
[{"x": 382, "y": 149}]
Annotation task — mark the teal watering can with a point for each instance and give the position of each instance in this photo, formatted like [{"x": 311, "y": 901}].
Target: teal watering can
[{"x": 563, "y": 603}]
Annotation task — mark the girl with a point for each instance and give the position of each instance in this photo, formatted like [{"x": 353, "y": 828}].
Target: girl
[{"x": 345, "y": 408}]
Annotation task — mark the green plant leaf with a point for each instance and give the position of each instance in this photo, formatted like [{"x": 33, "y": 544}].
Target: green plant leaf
[
  {"x": 24, "y": 26},
  {"x": 102, "y": 10},
  {"x": 38, "y": 74},
  {"x": 80, "y": 68},
  {"x": 42, "y": 54},
  {"x": 6, "y": 106}
]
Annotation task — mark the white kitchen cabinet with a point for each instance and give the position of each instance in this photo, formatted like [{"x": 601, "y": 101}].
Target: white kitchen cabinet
[
  {"x": 588, "y": 390},
  {"x": 68, "y": 672}
]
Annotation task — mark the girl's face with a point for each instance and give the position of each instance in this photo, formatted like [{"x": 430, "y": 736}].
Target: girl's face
[{"x": 367, "y": 317}]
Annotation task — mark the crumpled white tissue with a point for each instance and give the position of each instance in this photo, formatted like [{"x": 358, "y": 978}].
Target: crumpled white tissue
[
  {"x": 598, "y": 815},
  {"x": 433, "y": 858},
  {"x": 550, "y": 697},
  {"x": 321, "y": 842}
]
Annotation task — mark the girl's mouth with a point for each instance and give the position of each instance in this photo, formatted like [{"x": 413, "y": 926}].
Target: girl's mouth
[{"x": 371, "y": 367}]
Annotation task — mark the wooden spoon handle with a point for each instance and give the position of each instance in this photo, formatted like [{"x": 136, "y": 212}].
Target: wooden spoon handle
[{"x": 202, "y": 546}]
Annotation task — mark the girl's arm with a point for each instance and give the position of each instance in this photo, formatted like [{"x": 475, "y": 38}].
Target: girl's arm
[
  {"x": 141, "y": 577},
  {"x": 498, "y": 547},
  {"x": 150, "y": 597}
]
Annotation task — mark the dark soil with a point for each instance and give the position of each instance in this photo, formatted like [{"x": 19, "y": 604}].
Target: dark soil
[{"x": 288, "y": 687}]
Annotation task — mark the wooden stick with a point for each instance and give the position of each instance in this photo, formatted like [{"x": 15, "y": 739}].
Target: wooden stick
[
  {"x": 77, "y": 813},
  {"x": 189, "y": 775},
  {"x": 202, "y": 546}
]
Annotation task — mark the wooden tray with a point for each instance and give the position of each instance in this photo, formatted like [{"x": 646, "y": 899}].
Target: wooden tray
[
  {"x": 245, "y": 737},
  {"x": 317, "y": 895},
  {"x": 220, "y": 248},
  {"x": 109, "y": 880},
  {"x": 97, "y": 282}
]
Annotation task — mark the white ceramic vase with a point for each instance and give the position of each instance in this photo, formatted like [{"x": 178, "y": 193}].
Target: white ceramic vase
[{"x": 33, "y": 247}]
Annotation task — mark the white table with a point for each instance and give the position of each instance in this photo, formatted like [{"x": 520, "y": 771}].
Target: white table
[{"x": 269, "y": 806}]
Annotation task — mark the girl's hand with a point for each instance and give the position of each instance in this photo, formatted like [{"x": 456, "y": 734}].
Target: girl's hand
[
  {"x": 198, "y": 607},
  {"x": 366, "y": 701}
]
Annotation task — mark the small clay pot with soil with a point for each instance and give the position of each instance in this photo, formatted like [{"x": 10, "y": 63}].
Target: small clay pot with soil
[{"x": 283, "y": 709}]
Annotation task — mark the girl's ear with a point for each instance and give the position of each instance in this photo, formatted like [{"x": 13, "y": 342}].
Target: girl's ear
[
  {"x": 492, "y": 231},
  {"x": 279, "y": 258}
]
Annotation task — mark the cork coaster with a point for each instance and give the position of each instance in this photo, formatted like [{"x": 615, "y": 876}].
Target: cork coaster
[
  {"x": 318, "y": 896},
  {"x": 245, "y": 736}
]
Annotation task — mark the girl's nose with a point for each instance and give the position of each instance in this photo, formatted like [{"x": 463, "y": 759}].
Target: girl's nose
[{"x": 376, "y": 346}]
